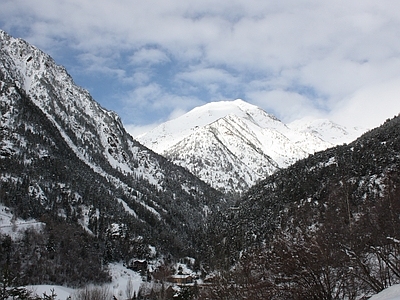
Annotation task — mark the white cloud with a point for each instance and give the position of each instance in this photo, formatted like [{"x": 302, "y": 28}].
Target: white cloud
[
  {"x": 149, "y": 56},
  {"x": 291, "y": 57},
  {"x": 150, "y": 104},
  {"x": 176, "y": 113},
  {"x": 137, "y": 130},
  {"x": 201, "y": 76},
  {"x": 370, "y": 106},
  {"x": 94, "y": 64},
  {"x": 285, "y": 105}
]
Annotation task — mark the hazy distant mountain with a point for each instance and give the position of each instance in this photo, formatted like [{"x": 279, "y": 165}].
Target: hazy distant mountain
[{"x": 233, "y": 144}]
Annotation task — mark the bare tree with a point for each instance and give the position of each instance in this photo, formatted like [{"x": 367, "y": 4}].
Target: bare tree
[
  {"x": 93, "y": 293},
  {"x": 129, "y": 291}
]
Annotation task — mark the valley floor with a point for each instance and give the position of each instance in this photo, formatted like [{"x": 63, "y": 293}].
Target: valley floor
[
  {"x": 121, "y": 277},
  {"x": 118, "y": 287}
]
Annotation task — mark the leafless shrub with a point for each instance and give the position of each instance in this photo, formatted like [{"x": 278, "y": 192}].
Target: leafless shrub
[{"x": 93, "y": 293}]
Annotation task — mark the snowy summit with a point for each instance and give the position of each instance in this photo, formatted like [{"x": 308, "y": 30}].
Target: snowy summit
[{"x": 233, "y": 144}]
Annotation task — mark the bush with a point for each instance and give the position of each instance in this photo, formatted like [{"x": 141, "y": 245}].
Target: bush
[{"x": 93, "y": 293}]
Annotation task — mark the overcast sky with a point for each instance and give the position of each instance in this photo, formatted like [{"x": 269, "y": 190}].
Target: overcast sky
[{"x": 152, "y": 60}]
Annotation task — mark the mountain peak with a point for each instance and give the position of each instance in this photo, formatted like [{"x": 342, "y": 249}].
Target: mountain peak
[
  {"x": 58, "y": 143},
  {"x": 241, "y": 139},
  {"x": 171, "y": 132},
  {"x": 220, "y": 109}
]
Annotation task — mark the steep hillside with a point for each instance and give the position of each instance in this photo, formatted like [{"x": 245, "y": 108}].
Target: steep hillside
[
  {"x": 65, "y": 157},
  {"x": 233, "y": 144},
  {"x": 327, "y": 227}
]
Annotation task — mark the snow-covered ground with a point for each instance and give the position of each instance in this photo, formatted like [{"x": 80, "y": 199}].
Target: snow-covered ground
[
  {"x": 120, "y": 280},
  {"x": 62, "y": 292},
  {"x": 391, "y": 293},
  {"x": 118, "y": 287},
  {"x": 121, "y": 276},
  {"x": 9, "y": 225}
]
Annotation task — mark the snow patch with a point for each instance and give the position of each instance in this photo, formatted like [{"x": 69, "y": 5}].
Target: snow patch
[
  {"x": 391, "y": 293},
  {"x": 12, "y": 226},
  {"x": 127, "y": 208}
]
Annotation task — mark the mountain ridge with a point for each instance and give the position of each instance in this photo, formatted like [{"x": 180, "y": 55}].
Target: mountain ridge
[
  {"x": 243, "y": 139},
  {"x": 63, "y": 154},
  {"x": 325, "y": 227}
]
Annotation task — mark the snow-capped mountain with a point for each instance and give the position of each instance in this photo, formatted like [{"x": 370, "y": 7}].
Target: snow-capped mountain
[
  {"x": 325, "y": 227},
  {"x": 61, "y": 151},
  {"x": 233, "y": 144}
]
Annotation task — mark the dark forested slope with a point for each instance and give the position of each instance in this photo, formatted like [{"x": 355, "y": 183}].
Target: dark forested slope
[
  {"x": 66, "y": 160},
  {"x": 327, "y": 227}
]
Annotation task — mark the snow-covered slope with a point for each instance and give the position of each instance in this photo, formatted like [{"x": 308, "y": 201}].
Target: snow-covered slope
[
  {"x": 83, "y": 123},
  {"x": 49, "y": 126},
  {"x": 12, "y": 226},
  {"x": 390, "y": 293},
  {"x": 233, "y": 144}
]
